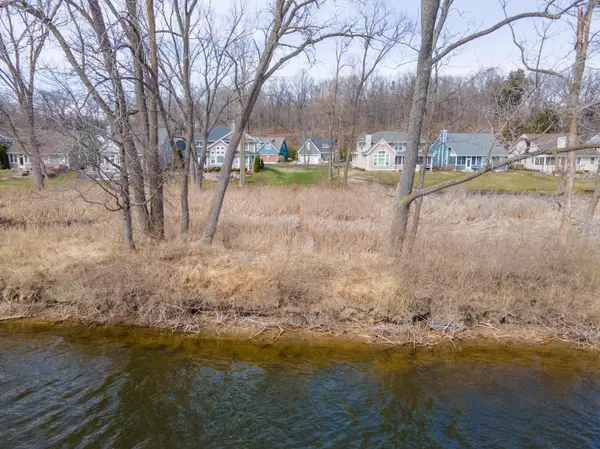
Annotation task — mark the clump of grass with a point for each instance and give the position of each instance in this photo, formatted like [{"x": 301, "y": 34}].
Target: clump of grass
[{"x": 312, "y": 256}]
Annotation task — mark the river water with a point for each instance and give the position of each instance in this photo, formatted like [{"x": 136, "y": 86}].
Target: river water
[{"x": 77, "y": 387}]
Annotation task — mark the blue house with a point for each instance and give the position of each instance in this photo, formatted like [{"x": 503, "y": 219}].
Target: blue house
[
  {"x": 271, "y": 149},
  {"x": 467, "y": 151}
]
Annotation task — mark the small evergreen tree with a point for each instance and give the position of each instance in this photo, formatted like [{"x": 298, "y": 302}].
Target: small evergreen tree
[
  {"x": 256, "y": 167},
  {"x": 4, "y": 163}
]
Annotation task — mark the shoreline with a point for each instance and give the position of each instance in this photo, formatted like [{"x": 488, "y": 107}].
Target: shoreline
[{"x": 261, "y": 330}]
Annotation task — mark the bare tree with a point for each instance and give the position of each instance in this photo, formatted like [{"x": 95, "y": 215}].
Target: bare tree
[
  {"x": 340, "y": 49},
  {"x": 301, "y": 88},
  {"x": 292, "y": 28},
  {"x": 22, "y": 40},
  {"x": 382, "y": 31},
  {"x": 98, "y": 70},
  {"x": 433, "y": 21},
  {"x": 573, "y": 78},
  {"x": 216, "y": 65},
  {"x": 177, "y": 59}
]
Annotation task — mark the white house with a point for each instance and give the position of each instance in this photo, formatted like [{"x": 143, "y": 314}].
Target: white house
[
  {"x": 383, "y": 150},
  {"x": 314, "y": 150},
  {"x": 586, "y": 160},
  {"x": 218, "y": 140}
]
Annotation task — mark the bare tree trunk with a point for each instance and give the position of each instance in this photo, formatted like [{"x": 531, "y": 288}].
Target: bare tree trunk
[
  {"x": 34, "y": 147},
  {"x": 331, "y": 146},
  {"x": 123, "y": 128},
  {"x": 154, "y": 174},
  {"x": 417, "y": 212},
  {"x": 242, "y": 159},
  {"x": 202, "y": 159},
  {"x": 583, "y": 33},
  {"x": 352, "y": 142},
  {"x": 125, "y": 202},
  {"x": 429, "y": 9},
  {"x": 185, "y": 171},
  {"x": 591, "y": 209},
  {"x": 210, "y": 226}
]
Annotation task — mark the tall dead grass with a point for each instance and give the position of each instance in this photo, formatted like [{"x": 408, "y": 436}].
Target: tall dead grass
[{"x": 311, "y": 256}]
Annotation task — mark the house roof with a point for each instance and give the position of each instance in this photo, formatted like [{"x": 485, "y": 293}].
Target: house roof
[
  {"x": 6, "y": 140},
  {"x": 50, "y": 142},
  {"x": 389, "y": 136},
  {"x": 549, "y": 142},
  {"x": 475, "y": 144},
  {"x": 321, "y": 143},
  {"x": 276, "y": 141},
  {"x": 216, "y": 133}
]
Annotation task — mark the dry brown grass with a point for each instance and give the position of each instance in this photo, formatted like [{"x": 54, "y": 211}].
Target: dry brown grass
[{"x": 312, "y": 257}]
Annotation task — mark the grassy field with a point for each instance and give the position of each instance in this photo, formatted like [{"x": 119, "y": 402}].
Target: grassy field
[
  {"x": 288, "y": 175},
  {"x": 510, "y": 182},
  {"x": 298, "y": 175},
  {"x": 7, "y": 179},
  {"x": 305, "y": 258}
]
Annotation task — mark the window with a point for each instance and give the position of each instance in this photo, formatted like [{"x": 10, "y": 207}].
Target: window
[
  {"x": 549, "y": 161},
  {"x": 592, "y": 160},
  {"x": 398, "y": 147},
  {"x": 399, "y": 160},
  {"x": 27, "y": 161},
  {"x": 452, "y": 160},
  {"x": 12, "y": 158},
  {"x": 381, "y": 159},
  {"x": 539, "y": 161},
  {"x": 461, "y": 160}
]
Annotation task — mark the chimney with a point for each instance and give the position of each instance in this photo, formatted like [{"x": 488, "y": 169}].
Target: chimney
[
  {"x": 368, "y": 141},
  {"x": 561, "y": 142}
]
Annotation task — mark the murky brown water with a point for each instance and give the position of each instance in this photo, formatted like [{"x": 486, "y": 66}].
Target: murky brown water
[{"x": 80, "y": 387}]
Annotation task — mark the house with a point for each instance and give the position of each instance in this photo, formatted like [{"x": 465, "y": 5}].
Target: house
[
  {"x": 272, "y": 149},
  {"x": 218, "y": 140},
  {"x": 56, "y": 150},
  {"x": 314, "y": 150},
  {"x": 467, "y": 151},
  {"x": 586, "y": 160},
  {"x": 383, "y": 150}
]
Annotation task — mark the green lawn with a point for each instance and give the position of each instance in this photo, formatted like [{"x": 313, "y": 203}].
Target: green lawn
[
  {"x": 60, "y": 180},
  {"x": 512, "y": 181},
  {"x": 288, "y": 175}
]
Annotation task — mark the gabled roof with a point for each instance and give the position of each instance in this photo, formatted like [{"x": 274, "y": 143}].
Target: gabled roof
[
  {"x": 475, "y": 144},
  {"x": 277, "y": 142},
  {"x": 217, "y": 133},
  {"x": 6, "y": 140},
  {"x": 549, "y": 142},
  {"x": 50, "y": 142},
  {"x": 389, "y": 136},
  {"x": 378, "y": 144},
  {"x": 543, "y": 141},
  {"x": 321, "y": 143}
]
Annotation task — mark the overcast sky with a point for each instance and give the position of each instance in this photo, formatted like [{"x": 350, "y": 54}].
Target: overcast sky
[{"x": 496, "y": 50}]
